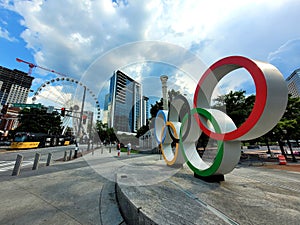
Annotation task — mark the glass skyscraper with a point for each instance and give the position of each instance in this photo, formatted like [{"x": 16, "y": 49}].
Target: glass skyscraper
[{"x": 125, "y": 98}]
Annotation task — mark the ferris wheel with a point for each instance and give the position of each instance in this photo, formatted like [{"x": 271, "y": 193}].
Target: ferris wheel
[{"x": 78, "y": 101}]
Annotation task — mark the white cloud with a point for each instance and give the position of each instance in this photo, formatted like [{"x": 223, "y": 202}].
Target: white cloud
[
  {"x": 37, "y": 81},
  {"x": 69, "y": 36},
  {"x": 5, "y": 34},
  {"x": 237, "y": 80},
  {"x": 286, "y": 57}
]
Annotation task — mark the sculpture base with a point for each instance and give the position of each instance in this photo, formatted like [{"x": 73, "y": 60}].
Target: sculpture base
[{"x": 212, "y": 178}]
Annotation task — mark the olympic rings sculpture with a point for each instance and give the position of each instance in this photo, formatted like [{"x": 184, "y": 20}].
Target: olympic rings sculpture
[{"x": 183, "y": 126}]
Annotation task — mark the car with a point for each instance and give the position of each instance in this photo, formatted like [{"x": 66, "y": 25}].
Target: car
[
  {"x": 253, "y": 147},
  {"x": 297, "y": 153},
  {"x": 4, "y": 143}
]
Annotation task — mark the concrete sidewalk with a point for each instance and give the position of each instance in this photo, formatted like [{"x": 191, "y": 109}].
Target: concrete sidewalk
[
  {"x": 71, "y": 192},
  {"x": 65, "y": 193},
  {"x": 149, "y": 192},
  {"x": 82, "y": 191},
  {"x": 249, "y": 195}
]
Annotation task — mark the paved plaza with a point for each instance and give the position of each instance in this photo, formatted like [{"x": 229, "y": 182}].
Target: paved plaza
[{"x": 83, "y": 191}]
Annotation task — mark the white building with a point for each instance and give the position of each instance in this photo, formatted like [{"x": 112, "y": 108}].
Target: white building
[{"x": 14, "y": 86}]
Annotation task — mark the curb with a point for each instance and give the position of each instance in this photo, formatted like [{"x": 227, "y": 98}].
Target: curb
[
  {"x": 108, "y": 206},
  {"x": 130, "y": 212}
]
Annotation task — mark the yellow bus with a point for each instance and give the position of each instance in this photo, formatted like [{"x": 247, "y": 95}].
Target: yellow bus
[{"x": 27, "y": 140}]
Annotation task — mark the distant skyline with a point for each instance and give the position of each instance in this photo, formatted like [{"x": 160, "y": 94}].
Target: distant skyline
[{"x": 70, "y": 38}]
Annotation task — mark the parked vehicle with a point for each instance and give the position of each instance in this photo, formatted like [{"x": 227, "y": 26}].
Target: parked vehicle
[
  {"x": 4, "y": 143},
  {"x": 253, "y": 147}
]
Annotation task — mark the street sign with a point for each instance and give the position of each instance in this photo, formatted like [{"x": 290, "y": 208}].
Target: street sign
[{"x": 22, "y": 105}]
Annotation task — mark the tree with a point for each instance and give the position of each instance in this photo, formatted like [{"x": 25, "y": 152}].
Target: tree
[
  {"x": 156, "y": 107},
  {"x": 39, "y": 121},
  {"x": 236, "y": 105},
  {"x": 142, "y": 130},
  {"x": 106, "y": 135},
  {"x": 101, "y": 130},
  {"x": 239, "y": 107},
  {"x": 291, "y": 118},
  {"x": 287, "y": 128}
]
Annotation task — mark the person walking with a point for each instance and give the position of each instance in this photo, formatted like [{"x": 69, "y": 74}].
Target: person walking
[
  {"x": 128, "y": 148},
  {"x": 119, "y": 148}
]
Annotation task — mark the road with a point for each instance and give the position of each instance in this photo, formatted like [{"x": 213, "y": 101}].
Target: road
[{"x": 8, "y": 157}]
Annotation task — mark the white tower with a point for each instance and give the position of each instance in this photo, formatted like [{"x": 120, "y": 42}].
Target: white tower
[{"x": 164, "y": 79}]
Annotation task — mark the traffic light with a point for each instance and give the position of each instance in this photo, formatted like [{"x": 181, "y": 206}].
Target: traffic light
[
  {"x": 4, "y": 109},
  {"x": 84, "y": 117},
  {"x": 63, "y": 111}
]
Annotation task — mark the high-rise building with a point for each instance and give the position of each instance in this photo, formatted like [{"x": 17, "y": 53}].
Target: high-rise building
[
  {"x": 125, "y": 98},
  {"x": 14, "y": 86},
  {"x": 293, "y": 83},
  {"x": 107, "y": 100}
]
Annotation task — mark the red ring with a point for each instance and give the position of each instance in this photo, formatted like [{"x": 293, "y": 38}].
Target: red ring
[{"x": 260, "y": 100}]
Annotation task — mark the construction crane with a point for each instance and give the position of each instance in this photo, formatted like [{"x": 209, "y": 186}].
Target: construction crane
[{"x": 31, "y": 66}]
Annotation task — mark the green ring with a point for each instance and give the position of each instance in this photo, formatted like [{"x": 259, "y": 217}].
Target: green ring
[{"x": 218, "y": 159}]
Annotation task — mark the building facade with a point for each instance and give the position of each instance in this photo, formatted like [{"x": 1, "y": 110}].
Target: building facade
[
  {"x": 293, "y": 83},
  {"x": 14, "y": 86},
  {"x": 126, "y": 103}
]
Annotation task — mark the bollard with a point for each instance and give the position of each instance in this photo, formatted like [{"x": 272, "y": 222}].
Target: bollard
[
  {"x": 70, "y": 156},
  {"x": 76, "y": 152},
  {"x": 65, "y": 156},
  {"x": 49, "y": 159},
  {"x": 17, "y": 167},
  {"x": 36, "y": 161}
]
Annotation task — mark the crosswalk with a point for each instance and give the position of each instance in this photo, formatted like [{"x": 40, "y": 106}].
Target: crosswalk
[{"x": 9, "y": 165}]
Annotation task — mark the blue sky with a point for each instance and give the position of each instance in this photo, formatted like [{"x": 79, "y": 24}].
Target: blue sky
[{"x": 70, "y": 36}]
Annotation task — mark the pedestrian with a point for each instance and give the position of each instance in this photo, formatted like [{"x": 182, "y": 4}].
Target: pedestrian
[
  {"x": 118, "y": 148},
  {"x": 76, "y": 149},
  {"x": 128, "y": 148}
]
